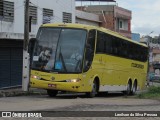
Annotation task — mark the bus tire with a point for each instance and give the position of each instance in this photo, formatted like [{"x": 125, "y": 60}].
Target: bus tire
[
  {"x": 52, "y": 93},
  {"x": 94, "y": 90},
  {"x": 134, "y": 88},
  {"x": 129, "y": 86},
  {"x": 102, "y": 93}
]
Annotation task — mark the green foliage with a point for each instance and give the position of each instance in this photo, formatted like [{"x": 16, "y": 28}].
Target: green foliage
[
  {"x": 154, "y": 90},
  {"x": 152, "y": 93}
]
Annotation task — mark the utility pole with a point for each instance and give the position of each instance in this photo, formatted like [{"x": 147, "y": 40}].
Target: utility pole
[
  {"x": 149, "y": 51},
  {"x": 25, "y": 74},
  {"x": 26, "y": 25}
]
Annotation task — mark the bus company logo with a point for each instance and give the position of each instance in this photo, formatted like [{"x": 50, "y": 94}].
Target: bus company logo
[
  {"x": 137, "y": 65},
  {"x": 6, "y": 114}
]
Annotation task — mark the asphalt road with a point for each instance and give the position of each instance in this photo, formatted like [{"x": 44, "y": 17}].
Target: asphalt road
[{"x": 76, "y": 102}]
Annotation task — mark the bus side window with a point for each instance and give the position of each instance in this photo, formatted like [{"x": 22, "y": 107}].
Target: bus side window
[
  {"x": 100, "y": 46},
  {"x": 108, "y": 44},
  {"x": 115, "y": 46},
  {"x": 90, "y": 46}
]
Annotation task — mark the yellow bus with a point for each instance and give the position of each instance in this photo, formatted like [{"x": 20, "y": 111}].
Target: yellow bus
[{"x": 86, "y": 59}]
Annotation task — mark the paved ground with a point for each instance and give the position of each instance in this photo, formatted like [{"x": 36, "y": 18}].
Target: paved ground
[{"x": 111, "y": 102}]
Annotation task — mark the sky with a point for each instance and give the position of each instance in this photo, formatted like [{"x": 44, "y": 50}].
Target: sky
[{"x": 145, "y": 15}]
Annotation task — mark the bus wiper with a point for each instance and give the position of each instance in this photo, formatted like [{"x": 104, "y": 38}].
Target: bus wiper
[{"x": 63, "y": 63}]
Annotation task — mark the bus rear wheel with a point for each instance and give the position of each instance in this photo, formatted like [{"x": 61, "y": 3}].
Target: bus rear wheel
[
  {"x": 94, "y": 90},
  {"x": 52, "y": 93},
  {"x": 134, "y": 88},
  {"x": 128, "y": 90}
]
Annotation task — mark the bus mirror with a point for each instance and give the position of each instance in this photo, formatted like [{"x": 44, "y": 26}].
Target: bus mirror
[{"x": 31, "y": 45}]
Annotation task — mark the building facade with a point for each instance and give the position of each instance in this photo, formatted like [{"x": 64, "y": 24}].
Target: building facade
[
  {"x": 113, "y": 17},
  {"x": 12, "y": 31},
  {"x": 154, "y": 53},
  {"x": 136, "y": 37},
  {"x": 12, "y": 14},
  {"x": 87, "y": 18}
]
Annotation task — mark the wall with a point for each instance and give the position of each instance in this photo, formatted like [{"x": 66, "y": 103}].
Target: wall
[
  {"x": 110, "y": 16},
  {"x": 126, "y": 16},
  {"x": 136, "y": 37},
  {"x": 58, "y": 7},
  {"x": 87, "y": 18},
  {"x": 109, "y": 23}
]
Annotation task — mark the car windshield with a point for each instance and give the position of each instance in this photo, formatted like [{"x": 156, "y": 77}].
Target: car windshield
[{"x": 59, "y": 50}]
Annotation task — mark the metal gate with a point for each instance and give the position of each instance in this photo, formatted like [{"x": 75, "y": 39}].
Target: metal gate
[{"x": 11, "y": 55}]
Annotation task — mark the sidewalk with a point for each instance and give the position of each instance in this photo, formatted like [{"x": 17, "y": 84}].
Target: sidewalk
[{"x": 18, "y": 92}]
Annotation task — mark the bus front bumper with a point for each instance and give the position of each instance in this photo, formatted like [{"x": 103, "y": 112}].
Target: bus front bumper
[{"x": 57, "y": 85}]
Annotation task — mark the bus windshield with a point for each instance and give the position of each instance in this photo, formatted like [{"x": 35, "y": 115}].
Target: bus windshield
[{"x": 59, "y": 50}]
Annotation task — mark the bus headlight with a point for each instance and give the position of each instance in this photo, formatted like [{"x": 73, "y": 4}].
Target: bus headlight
[
  {"x": 73, "y": 80},
  {"x": 35, "y": 77}
]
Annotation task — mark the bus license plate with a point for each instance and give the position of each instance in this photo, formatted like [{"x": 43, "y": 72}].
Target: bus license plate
[{"x": 52, "y": 85}]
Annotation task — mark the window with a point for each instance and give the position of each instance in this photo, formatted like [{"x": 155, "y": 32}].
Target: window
[
  {"x": 47, "y": 15},
  {"x": 100, "y": 47},
  {"x": 124, "y": 49},
  {"x": 67, "y": 17},
  {"x": 7, "y": 11},
  {"x": 115, "y": 46},
  {"x": 120, "y": 24},
  {"x": 33, "y": 14},
  {"x": 1, "y": 7},
  {"x": 90, "y": 46}
]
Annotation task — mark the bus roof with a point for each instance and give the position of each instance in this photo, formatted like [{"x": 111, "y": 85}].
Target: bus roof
[{"x": 88, "y": 27}]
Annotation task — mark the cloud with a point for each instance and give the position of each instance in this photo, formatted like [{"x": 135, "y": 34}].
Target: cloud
[
  {"x": 146, "y": 30},
  {"x": 145, "y": 15}
]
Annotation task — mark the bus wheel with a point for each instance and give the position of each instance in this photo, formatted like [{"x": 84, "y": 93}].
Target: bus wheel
[
  {"x": 102, "y": 93},
  {"x": 52, "y": 93},
  {"x": 128, "y": 91},
  {"x": 94, "y": 90},
  {"x": 134, "y": 88}
]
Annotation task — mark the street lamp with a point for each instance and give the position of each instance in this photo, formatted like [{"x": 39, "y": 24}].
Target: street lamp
[{"x": 149, "y": 55}]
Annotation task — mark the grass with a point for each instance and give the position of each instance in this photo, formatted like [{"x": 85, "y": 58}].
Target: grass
[{"x": 152, "y": 92}]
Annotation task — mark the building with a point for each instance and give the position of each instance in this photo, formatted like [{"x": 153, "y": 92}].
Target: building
[
  {"x": 156, "y": 60},
  {"x": 113, "y": 17},
  {"x": 12, "y": 29},
  {"x": 87, "y": 18},
  {"x": 136, "y": 37},
  {"x": 154, "y": 53},
  {"x": 12, "y": 14}
]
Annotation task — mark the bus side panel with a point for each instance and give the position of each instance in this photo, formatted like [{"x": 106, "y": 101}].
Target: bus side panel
[{"x": 118, "y": 71}]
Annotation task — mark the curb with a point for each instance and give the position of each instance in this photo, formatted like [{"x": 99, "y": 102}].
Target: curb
[{"x": 19, "y": 92}]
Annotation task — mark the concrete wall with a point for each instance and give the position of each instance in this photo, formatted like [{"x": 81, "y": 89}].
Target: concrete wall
[
  {"x": 111, "y": 16},
  {"x": 87, "y": 18},
  {"x": 58, "y": 6},
  {"x": 107, "y": 21},
  {"x": 136, "y": 37},
  {"x": 121, "y": 12}
]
